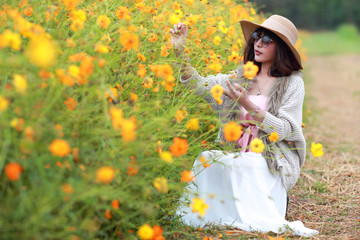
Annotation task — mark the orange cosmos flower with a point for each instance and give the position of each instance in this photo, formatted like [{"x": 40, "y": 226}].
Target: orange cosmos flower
[
  {"x": 274, "y": 136},
  {"x": 180, "y": 115},
  {"x": 70, "y": 4},
  {"x": 148, "y": 83},
  {"x": 28, "y": 11},
  {"x": 179, "y": 147},
  {"x": 13, "y": 171},
  {"x": 142, "y": 71},
  {"x": 116, "y": 115},
  {"x": 71, "y": 103},
  {"x": 153, "y": 37},
  {"x": 164, "y": 51},
  {"x": 67, "y": 188},
  {"x": 232, "y": 131},
  {"x": 187, "y": 176},
  {"x": 101, "y": 63},
  {"x": 133, "y": 168},
  {"x": 141, "y": 57},
  {"x": 60, "y": 147},
  {"x": 157, "y": 233},
  {"x": 108, "y": 214},
  {"x": 112, "y": 95},
  {"x": 250, "y": 70},
  {"x": 103, "y": 21},
  {"x": 123, "y": 13},
  {"x": 129, "y": 40},
  {"x": 128, "y": 130},
  {"x": 105, "y": 174},
  {"x": 115, "y": 204}
]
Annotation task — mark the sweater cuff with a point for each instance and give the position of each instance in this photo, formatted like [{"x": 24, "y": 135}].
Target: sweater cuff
[{"x": 195, "y": 75}]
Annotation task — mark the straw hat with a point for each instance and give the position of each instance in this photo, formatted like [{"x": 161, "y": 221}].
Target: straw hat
[{"x": 279, "y": 25}]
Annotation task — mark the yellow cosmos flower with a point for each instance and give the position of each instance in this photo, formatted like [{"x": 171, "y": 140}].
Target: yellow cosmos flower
[
  {"x": 10, "y": 39},
  {"x": 101, "y": 48},
  {"x": 193, "y": 124},
  {"x": 257, "y": 145},
  {"x": 199, "y": 205},
  {"x": 41, "y": 51},
  {"x": 105, "y": 174},
  {"x": 166, "y": 156},
  {"x": 274, "y": 136},
  {"x": 20, "y": 83},
  {"x": 145, "y": 232},
  {"x": 217, "y": 91},
  {"x": 103, "y": 21},
  {"x": 317, "y": 149},
  {"x": 217, "y": 40},
  {"x": 250, "y": 70},
  {"x": 232, "y": 131},
  {"x": 216, "y": 67},
  {"x": 161, "y": 185},
  {"x": 78, "y": 15},
  {"x": 3, "y": 103},
  {"x": 60, "y": 147}
]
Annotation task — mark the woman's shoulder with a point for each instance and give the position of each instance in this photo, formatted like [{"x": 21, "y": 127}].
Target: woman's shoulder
[{"x": 296, "y": 79}]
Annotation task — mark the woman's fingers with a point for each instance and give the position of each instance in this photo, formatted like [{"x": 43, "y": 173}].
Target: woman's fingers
[{"x": 230, "y": 86}]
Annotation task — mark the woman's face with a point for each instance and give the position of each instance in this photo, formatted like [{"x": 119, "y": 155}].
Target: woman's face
[{"x": 264, "y": 53}]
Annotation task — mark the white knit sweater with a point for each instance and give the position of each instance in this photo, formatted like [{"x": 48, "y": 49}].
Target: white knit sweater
[{"x": 290, "y": 149}]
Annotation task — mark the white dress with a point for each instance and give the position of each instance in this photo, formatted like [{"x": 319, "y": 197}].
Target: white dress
[{"x": 241, "y": 192}]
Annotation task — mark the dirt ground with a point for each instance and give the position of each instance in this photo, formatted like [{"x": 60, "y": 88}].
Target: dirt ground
[{"x": 327, "y": 196}]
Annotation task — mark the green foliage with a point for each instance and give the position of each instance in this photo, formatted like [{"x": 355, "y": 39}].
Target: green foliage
[
  {"x": 36, "y": 206},
  {"x": 348, "y": 32},
  {"x": 343, "y": 41}
]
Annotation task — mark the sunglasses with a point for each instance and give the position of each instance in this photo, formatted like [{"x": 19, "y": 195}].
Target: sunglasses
[{"x": 265, "y": 39}]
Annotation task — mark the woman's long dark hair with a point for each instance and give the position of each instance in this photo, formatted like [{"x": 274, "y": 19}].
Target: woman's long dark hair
[{"x": 285, "y": 62}]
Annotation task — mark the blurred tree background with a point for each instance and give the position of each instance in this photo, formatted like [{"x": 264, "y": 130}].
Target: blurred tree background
[{"x": 314, "y": 14}]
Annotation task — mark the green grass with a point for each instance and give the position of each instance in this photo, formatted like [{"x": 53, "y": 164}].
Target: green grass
[{"x": 345, "y": 40}]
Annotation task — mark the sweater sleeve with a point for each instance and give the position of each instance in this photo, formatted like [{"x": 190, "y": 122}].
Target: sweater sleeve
[
  {"x": 287, "y": 122},
  {"x": 202, "y": 86}
]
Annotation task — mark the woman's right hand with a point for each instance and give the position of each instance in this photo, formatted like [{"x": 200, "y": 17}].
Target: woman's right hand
[{"x": 178, "y": 37}]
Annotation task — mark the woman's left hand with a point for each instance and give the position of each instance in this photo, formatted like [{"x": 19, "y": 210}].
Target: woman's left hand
[{"x": 236, "y": 93}]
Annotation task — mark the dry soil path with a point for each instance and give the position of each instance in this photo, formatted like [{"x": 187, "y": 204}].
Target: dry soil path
[
  {"x": 334, "y": 89},
  {"x": 327, "y": 196}
]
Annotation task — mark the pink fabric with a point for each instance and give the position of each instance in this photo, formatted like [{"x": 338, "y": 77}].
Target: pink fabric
[{"x": 250, "y": 129}]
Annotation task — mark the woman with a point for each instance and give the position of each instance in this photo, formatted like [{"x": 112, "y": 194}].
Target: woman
[{"x": 244, "y": 189}]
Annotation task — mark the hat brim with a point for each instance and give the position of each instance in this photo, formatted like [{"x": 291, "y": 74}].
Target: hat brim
[{"x": 249, "y": 27}]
